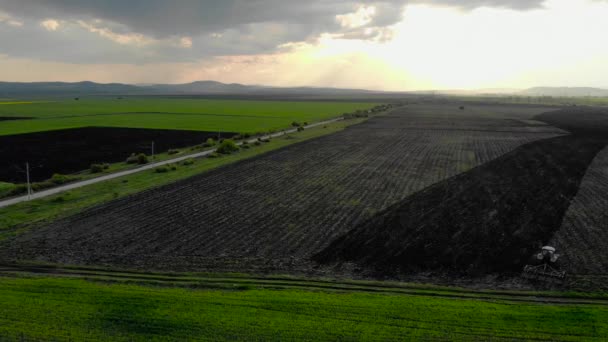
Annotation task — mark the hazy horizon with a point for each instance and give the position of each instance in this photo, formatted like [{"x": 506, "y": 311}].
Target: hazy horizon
[{"x": 394, "y": 45}]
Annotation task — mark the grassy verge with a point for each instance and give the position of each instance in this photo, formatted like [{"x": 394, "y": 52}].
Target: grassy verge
[
  {"x": 25, "y": 215},
  {"x": 5, "y": 188},
  {"x": 75, "y": 309}
]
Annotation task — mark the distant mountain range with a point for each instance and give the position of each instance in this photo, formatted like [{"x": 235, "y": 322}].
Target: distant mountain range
[
  {"x": 8, "y": 89},
  {"x": 565, "y": 91},
  {"x": 17, "y": 89}
]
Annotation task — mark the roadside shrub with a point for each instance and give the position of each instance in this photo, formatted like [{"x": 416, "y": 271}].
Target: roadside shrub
[
  {"x": 43, "y": 185},
  {"x": 162, "y": 169},
  {"x": 357, "y": 114},
  {"x": 300, "y": 129},
  {"x": 209, "y": 143},
  {"x": 214, "y": 155},
  {"x": 60, "y": 179},
  {"x": 296, "y": 124},
  {"x": 165, "y": 168},
  {"x": 137, "y": 159},
  {"x": 227, "y": 147},
  {"x": 305, "y": 123},
  {"x": 18, "y": 189},
  {"x": 257, "y": 143},
  {"x": 188, "y": 162},
  {"x": 170, "y": 152},
  {"x": 97, "y": 168}
]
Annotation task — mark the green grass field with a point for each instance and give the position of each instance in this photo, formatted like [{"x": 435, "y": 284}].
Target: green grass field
[
  {"x": 158, "y": 113},
  {"x": 49, "y": 308}
]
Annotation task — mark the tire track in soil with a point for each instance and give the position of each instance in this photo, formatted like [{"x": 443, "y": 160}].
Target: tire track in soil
[{"x": 490, "y": 219}]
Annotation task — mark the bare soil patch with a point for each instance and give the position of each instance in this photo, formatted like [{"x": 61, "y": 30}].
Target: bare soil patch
[{"x": 73, "y": 150}]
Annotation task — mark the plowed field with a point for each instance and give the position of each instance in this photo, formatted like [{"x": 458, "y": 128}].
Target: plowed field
[{"x": 278, "y": 210}]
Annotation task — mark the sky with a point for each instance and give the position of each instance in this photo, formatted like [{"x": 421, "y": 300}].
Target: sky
[{"x": 385, "y": 45}]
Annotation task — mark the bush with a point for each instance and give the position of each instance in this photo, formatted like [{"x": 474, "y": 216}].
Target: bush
[
  {"x": 97, "y": 168},
  {"x": 162, "y": 169},
  {"x": 257, "y": 143},
  {"x": 137, "y": 159},
  {"x": 209, "y": 143},
  {"x": 170, "y": 152},
  {"x": 42, "y": 185},
  {"x": 18, "y": 189},
  {"x": 213, "y": 155},
  {"x": 305, "y": 123},
  {"x": 296, "y": 124},
  {"x": 188, "y": 162},
  {"x": 227, "y": 147},
  {"x": 300, "y": 129},
  {"x": 59, "y": 179},
  {"x": 165, "y": 168}
]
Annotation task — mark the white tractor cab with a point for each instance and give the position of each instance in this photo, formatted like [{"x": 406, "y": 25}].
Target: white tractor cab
[{"x": 547, "y": 270}]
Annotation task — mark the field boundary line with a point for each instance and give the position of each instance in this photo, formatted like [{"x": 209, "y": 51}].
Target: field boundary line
[
  {"x": 228, "y": 282},
  {"x": 150, "y": 166}
]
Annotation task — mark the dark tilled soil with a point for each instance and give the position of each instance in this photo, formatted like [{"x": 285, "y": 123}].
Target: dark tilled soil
[
  {"x": 275, "y": 211},
  {"x": 72, "y": 150},
  {"x": 490, "y": 219}
]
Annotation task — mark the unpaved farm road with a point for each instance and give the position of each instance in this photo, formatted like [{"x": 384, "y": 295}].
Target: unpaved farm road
[
  {"x": 220, "y": 281},
  {"x": 80, "y": 184}
]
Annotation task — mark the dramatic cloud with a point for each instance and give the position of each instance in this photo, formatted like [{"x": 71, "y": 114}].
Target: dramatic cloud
[
  {"x": 213, "y": 27},
  {"x": 382, "y": 44}
]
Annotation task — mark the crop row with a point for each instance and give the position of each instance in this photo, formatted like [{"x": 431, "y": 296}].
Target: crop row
[{"x": 582, "y": 237}]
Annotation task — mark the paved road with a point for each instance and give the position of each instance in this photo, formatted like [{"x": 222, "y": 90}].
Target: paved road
[{"x": 150, "y": 166}]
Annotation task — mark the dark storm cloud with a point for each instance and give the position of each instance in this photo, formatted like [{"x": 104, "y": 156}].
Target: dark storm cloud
[
  {"x": 217, "y": 27},
  {"x": 189, "y": 17}
]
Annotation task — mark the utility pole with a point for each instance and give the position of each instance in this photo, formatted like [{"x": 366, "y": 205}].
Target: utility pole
[
  {"x": 29, "y": 185},
  {"x": 153, "y": 150}
]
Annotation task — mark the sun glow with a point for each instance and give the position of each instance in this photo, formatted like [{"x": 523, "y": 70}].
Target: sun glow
[{"x": 442, "y": 47}]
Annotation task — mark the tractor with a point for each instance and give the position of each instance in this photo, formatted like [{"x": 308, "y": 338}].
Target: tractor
[{"x": 547, "y": 269}]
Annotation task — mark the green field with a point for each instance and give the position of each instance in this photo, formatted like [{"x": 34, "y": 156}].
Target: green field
[
  {"x": 69, "y": 308},
  {"x": 157, "y": 113}
]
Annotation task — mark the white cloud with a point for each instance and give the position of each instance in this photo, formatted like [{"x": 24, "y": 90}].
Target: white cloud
[
  {"x": 363, "y": 16},
  {"x": 50, "y": 24},
  {"x": 104, "y": 30},
  {"x": 136, "y": 39},
  {"x": 8, "y": 20},
  {"x": 185, "y": 42}
]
